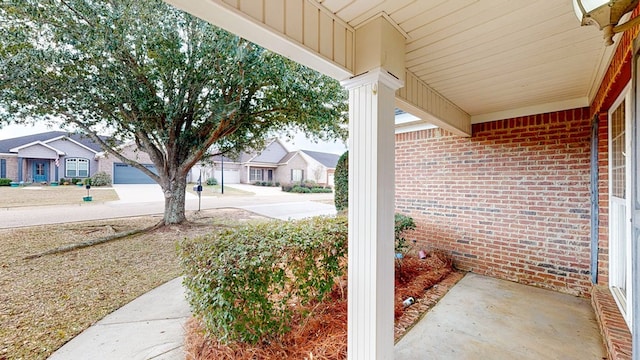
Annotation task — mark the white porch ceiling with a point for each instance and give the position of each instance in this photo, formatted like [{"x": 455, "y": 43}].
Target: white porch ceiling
[
  {"x": 494, "y": 58},
  {"x": 466, "y": 60}
]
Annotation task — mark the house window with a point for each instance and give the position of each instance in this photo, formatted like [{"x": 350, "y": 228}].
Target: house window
[
  {"x": 76, "y": 167},
  {"x": 297, "y": 174},
  {"x": 255, "y": 174},
  {"x": 3, "y": 168},
  {"x": 620, "y": 263}
]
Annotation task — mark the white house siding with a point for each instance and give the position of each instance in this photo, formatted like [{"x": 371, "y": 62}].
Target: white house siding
[
  {"x": 272, "y": 154},
  {"x": 73, "y": 150},
  {"x": 38, "y": 152}
]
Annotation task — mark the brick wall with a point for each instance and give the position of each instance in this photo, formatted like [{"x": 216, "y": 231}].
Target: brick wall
[{"x": 512, "y": 201}]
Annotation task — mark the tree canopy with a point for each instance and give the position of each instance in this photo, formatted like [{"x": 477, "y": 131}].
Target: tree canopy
[{"x": 149, "y": 73}]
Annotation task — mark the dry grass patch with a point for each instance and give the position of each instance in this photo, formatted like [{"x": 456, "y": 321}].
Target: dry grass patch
[
  {"x": 52, "y": 195},
  {"x": 44, "y": 302}
]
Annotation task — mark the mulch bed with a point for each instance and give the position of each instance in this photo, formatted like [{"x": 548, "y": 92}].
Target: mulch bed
[{"x": 323, "y": 336}]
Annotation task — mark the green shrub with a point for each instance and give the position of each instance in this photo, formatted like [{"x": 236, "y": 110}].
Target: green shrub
[
  {"x": 5, "y": 182},
  {"x": 212, "y": 181},
  {"x": 341, "y": 182},
  {"x": 100, "y": 179},
  {"x": 257, "y": 183},
  {"x": 286, "y": 187},
  {"x": 402, "y": 224},
  {"x": 320, "y": 190},
  {"x": 300, "y": 189},
  {"x": 242, "y": 282},
  {"x": 277, "y": 183}
]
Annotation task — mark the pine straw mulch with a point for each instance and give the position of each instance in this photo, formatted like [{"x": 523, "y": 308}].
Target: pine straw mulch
[{"x": 323, "y": 336}]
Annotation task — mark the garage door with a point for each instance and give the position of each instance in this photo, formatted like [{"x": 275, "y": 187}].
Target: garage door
[
  {"x": 127, "y": 174},
  {"x": 231, "y": 176}
]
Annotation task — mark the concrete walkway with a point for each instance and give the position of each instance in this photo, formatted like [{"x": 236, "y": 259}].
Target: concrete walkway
[
  {"x": 487, "y": 318},
  {"x": 149, "y": 327}
]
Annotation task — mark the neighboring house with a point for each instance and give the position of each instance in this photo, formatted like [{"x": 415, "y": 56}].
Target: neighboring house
[
  {"x": 47, "y": 157},
  {"x": 273, "y": 164},
  {"x": 54, "y": 155}
]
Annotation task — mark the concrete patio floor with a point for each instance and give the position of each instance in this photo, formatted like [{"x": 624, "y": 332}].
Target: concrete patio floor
[{"x": 487, "y": 318}]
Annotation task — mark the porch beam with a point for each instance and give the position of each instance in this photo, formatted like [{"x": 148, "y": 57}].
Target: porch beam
[
  {"x": 300, "y": 30},
  {"x": 419, "y": 99}
]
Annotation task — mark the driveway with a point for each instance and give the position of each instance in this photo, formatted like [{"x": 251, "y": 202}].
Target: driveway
[{"x": 141, "y": 193}]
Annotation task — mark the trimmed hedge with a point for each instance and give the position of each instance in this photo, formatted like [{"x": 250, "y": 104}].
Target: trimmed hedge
[
  {"x": 242, "y": 283},
  {"x": 341, "y": 181},
  {"x": 5, "y": 182},
  {"x": 305, "y": 187}
]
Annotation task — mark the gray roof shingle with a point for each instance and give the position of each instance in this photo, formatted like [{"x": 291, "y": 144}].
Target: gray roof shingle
[
  {"x": 326, "y": 159},
  {"x": 7, "y": 144}
]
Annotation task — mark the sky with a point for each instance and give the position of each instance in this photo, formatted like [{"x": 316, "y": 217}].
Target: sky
[{"x": 299, "y": 142}]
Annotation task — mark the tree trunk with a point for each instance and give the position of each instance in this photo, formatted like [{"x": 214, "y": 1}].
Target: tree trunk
[{"x": 174, "y": 198}]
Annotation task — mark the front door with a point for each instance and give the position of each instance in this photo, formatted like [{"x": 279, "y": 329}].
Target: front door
[{"x": 40, "y": 171}]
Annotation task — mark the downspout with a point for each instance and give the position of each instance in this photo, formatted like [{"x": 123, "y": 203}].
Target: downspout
[{"x": 595, "y": 211}]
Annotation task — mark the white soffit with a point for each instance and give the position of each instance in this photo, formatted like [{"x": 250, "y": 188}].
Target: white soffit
[
  {"x": 494, "y": 58},
  {"x": 489, "y": 58}
]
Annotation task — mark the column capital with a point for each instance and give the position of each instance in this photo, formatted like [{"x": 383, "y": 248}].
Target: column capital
[{"x": 371, "y": 76}]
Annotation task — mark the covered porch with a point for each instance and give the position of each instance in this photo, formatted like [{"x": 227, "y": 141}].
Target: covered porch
[{"x": 507, "y": 68}]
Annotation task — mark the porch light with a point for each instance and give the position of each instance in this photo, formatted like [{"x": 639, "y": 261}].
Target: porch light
[{"x": 605, "y": 14}]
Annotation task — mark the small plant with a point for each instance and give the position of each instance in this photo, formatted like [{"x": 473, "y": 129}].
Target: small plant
[
  {"x": 212, "y": 181},
  {"x": 286, "y": 187},
  {"x": 402, "y": 224},
  {"x": 87, "y": 181},
  {"x": 101, "y": 179},
  {"x": 277, "y": 183},
  {"x": 5, "y": 182}
]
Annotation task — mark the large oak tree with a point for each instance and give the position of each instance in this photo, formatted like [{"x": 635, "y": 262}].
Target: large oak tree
[{"x": 150, "y": 73}]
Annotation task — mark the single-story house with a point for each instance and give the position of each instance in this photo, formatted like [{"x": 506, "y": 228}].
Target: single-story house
[
  {"x": 275, "y": 164},
  {"x": 54, "y": 155},
  {"x": 531, "y": 173},
  {"x": 47, "y": 157}
]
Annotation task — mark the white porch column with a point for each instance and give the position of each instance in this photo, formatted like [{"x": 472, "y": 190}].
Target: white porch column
[{"x": 371, "y": 209}]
